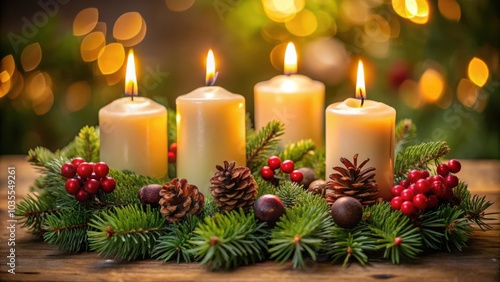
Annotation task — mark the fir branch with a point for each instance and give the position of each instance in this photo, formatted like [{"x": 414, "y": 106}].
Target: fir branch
[
  {"x": 39, "y": 156},
  {"x": 405, "y": 134},
  {"x": 32, "y": 211},
  {"x": 418, "y": 157},
  {"x": 301, "y": 231},
  {"x": 210, "y": 207},
  {"x": 126, "y": 233},
  {"x": 67, "y": 229},
  {"x": 456, "y": 228},
  {"x": 87, "y": 144},
  {"x": 264, "y": 187},
  {"x": 297, "y": 151},
  {"x": 288, "y": 192},
  {"x": 259, "y": 145},
  {"x": 172, "y": 126},
  {"x": 387, "y": 225},
  {"x": 346, "y": 244},
  {"x": 250, "y": 131},
  {"x": 176, "y": 245},
  {"x": 474, "y": 206},
  {"x": 431, "y": 229},
  {"x": 229, "y": 240},
  {"x": 315, "y": 160}
]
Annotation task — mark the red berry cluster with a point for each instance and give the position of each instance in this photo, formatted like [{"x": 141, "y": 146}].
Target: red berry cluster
[
  {"x": 288, "y": 167},
  {"x": 85, "y": 179},
  {"x": 422, "y": 191},
  {"x": 172, "y": 153}
]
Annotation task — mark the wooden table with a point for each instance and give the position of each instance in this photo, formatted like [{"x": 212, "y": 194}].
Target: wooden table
[{"x": 37, "y": 261}]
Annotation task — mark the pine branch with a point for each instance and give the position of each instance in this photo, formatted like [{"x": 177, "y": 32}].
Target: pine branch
[
  {"x": 346, "y": 244},
  {"x": 297, "y": 151},
  {"x": 315, "y": 160},
  {"x": 210, "y": 207},
  {"x": 176, "y": 245},
  {"x": 387, "y": 225},
  {"x": 126, "y": 233},
  {"x": 262, "y": 143},
  {"x": 250, "y": 131},
  {"x": 172, "y": 126},
  {"x": 87, "y": 144},
  {"x": 456, "y": 228},
  {"x": 229, "y": 240},
  {"x": 67, "y": 229},
  {"x": 474, "y": 206},
  {"x": 418, "y": 157},
  {"x": 405, "y": 134},
  {"x": 431, "y": 229},
  {"x": 301, "y": 231},
  {"x": 33, "y": 210},
  {"x": 265, "y": 187},
  {"x": 288, "y": 192},
  {"x": 39, "y": 156}
]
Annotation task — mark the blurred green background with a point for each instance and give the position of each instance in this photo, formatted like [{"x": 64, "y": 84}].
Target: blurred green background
[{"x": 436, "y": 62}]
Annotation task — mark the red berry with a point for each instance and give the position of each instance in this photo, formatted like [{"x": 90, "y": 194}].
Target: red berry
[
  {"x": 446, "y": 193},
  {"x": 68, "y": 170},
  {"x": 420, "y": 201},
  {"x": 287, "y": 166},
  {"x": 82, "y": 196},
  {"x": 101, "y": 169},
  {"x": 172, "y": 157},
  {"x": 108, "y": 184},
  {"x": 274, "y": 162},
  {"x": 296, "y": 176},
  {"x": 432, "y": 201},
  {"x": 454, "y": 166},
  {"x": 451, "y": 181},
  {"x": 408, "y": 208},
  {"x": 396, "y": 203},
  {"x": 398, "y": 241},
  {"x": 91, "y": 186},
  {"x": 438, "y": 178},
  {"x": 72, "y": 186},
  {"x": 173, "y": 147},
  {"x": 414, "y": 175},
  {"x": 85, "y": 170},
  {"x": 407, "y": 195},
  {"x": 405, "y": 183},
  {"x": 443, "y": 170},
  {"x": 77, "y": 161},
  {"x": 94, "y": 176},
  {"x": 413, "y": 188},
  {"x": 396, "y": 190},
  {"x": 424, "y": 173},
  {"x": 436, "y": 188},
  {"x": 267, "y": 173},
  {"x": 422, "y": 186},
  {"x": 80, "y": 180}
]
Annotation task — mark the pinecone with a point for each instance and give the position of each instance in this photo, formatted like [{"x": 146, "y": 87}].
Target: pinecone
[
  {"x": 352, "y": 181},
  {"x": 180, "y": 198},
  {"x": 233, "y": 187}
]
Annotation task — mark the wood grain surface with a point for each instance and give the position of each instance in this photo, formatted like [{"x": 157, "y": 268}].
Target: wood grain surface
[{"x": 37, "y": 261}]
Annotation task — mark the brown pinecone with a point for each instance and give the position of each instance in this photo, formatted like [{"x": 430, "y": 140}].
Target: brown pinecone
[
  {"x": 352, "y": 181},
  {"x": 180, "y": 198},
  {"x": 233, "y": 187}
]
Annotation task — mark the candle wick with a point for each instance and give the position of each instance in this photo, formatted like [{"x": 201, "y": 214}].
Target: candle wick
[
  {"x": 132, "y": 97},
  {"x": 362, "y": 101}
]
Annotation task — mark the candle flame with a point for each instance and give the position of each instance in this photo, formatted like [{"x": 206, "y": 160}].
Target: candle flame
[
  {"x": 360, "y": 83},
  {"x": 130, "y": 77},
  {"x": 211, "y": 74},
  {"x": 290, "y": 59}
]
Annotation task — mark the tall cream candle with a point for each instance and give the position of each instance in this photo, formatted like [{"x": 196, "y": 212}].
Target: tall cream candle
[
  {"x": 210, "y": 130},
  {"x": 133, "y": 132},
  {"x": 366, "y": 128},
  {"x": 296, "y": 100}
]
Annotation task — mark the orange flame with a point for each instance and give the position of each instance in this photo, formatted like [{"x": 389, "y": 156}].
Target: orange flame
[
  {"x": 290, "y": 59},
  {"x": 130, "y": 77},
  {"x": 360, "y": 83},
  {"x": 211, "y": 74}
]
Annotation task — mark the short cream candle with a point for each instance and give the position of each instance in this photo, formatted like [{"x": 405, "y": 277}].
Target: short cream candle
[
  {"x": 366, "y": 128},
  {"x": 210, "y": 130},
  {"x": 133, "y": 132},
  {"x": 296, "y": 100}
]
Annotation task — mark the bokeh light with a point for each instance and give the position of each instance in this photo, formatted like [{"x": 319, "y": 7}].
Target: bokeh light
[
  {"x": 17, "y": 85},
  {"x": 5, "y": 83},
  {"x": 410, "y": 94},
  {"x": 31, "y": 56},
  {"x": 130, "y": 29},
  {"x": 416, "y": 11},
  {"x": 282, "y": 10},
  {"x": 85, "y": 21},
  {"x": 478, "y": 72},
  {"x": 77, "y": 96},
  {"x": 467, "y": 92},
  {"x": 111, "y": 58},
  {"x": 355, "y": 12},
  {"x": 36, "y": 85},
  {"x": 277, "y": 58},
  {"x": 431, "y": 85},
  {"x": 91, "y": 44},
  {"x": 43, "y": 103},
  {"x": 450, "y": 9},
  {"x": 377, "y": 28},
  {"x": 179, "y": 5},
  {"x": 303, "y": 24}
]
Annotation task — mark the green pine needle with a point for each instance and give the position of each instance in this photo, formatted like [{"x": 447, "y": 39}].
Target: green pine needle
[
  {"x": 126, "y": 233},
  {"x": 406, "y": 131},
  {"x": 33, "y": 210},
  {"x": 431, "y": 229},
  {"x": 288, "y": 192},
  {"x": 172, "y": 126},
  {"x": 210, "y": 207},
  {"x": 418, "y": 157},
  {"x": 264, "y": 187},
  {"x": 347, "y": 244},
  {"x": 474, "y": 206},
  {"x": 88, "y": 144},
  {"x": 457, "y": 230},
  {"x": 176, "y": 244},
  {"x": 67, "y": 229},
  {"x": 229, "y": 240},
  {"x": 297, "y": 151},
  {"x": 261, "y": 144}
]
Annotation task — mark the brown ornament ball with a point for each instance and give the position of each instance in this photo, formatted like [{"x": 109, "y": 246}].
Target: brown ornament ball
[
  {"x": 150, "y": 195},
  {"x": 269, "y": 208},
  {"x": 317, "y": 187},
  {"x": 346, "y": 212},
  {"x": 309, "y": 176}
]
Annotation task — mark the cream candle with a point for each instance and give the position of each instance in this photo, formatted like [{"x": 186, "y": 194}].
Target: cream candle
[
  {"x": 296, "y": 100},
  {"x": 210, "y": 130},
  {"x": 133, "y": 131},
  {"x": 364, "y": 127}
]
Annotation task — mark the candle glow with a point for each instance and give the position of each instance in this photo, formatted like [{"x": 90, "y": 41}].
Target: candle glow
[
  {"x": 290, "y": 59},
  {"x": 211, "y": 75},
  {"x": 360, "y": 83},
  {"x": 130, "y": 77}
]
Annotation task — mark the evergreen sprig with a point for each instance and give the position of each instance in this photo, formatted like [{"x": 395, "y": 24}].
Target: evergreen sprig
[
  {"x": 288, "y": 192},
  {"x": 431, "y": 229},
  {"x": 127, "y": 232},
  {"x": 456, "y": 227},
  {"x": 88, "y": 144},
  {"x": 32, "y": 211},
  {"x": 229, "y": 240},
  {"x": 260, "y": 144},
  {"x": 67, "y": 229},
  {"x": 172, "y": 126},
  {"x": 419, "y": 157},
  {"x": 176, "y": 245},
  {"x": 405, "y": 134},
  {"x": 297, "y": 151},
  {"x": 474, "y": 206},
  {"x": 346, "y": 244}
]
